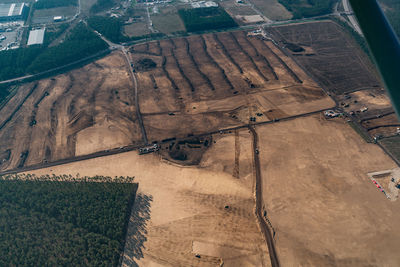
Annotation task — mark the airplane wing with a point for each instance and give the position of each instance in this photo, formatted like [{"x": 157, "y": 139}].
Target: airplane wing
[{"x": 383, "y": 43}]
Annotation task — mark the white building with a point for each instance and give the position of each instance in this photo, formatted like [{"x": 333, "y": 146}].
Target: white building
[
  {"x": 36, "y": 37},
  {"x": 204, "y": 4}
]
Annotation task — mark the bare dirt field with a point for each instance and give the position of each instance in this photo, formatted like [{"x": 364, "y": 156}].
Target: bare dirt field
[
  {"x": 183, "y": 211},
  {"x": 237, "y": 10},
  {"x": 81, "y": 112},
  {"x": 337, "y": 62},
  {"x": 323, "y": 206},
  {"x": 186, "y": 86},
  {"x": 208, "y": 82}
]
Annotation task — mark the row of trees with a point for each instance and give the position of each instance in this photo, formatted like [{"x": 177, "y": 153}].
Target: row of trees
[
  {"x": 208, "y": 18},
  {"x": 78, "y": 44},
  {"x": 110, "y": 27},
  {"x": 101, "y": 5},
  {"x": 308, "y": 8},
  {"x": 55, "y": 222}
]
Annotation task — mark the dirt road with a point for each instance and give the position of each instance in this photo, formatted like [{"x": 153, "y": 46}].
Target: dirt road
[{"x": 259, "y": 200}]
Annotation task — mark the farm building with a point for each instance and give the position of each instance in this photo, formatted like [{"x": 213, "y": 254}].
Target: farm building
[
  {"x": 14, "y": 11},
  {"x": 204, "y": 4},
  {"x": 36, "y": 37}
]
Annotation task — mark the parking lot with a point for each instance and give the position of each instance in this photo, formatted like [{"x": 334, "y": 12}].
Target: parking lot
[{"x": 10, "y": 35}]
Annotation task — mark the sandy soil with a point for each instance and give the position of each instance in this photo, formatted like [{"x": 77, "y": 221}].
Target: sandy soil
[
  {"x": 182, "y": 211},
  {"x": 323, "y": 206}
]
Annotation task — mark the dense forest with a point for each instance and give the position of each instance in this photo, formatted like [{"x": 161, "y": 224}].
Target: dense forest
[
  {"x": 13, "y": 63},
  {"x": 308, "y": 8},
  {"x": 208, "y": 18},
  {"x": 43, "y": 4},
  {"x": 59, "y": 221},
  {"x": 111, "y": 28},
  {"x": 101, "y": 5},
  {"x": 392, "y": 11},
  {"x": 79, "y": 43}
]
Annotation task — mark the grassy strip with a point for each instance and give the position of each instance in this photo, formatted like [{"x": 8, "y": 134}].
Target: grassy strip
[
  {"x": 392, "y": 144},
  {"x": 361, "y": 131}
]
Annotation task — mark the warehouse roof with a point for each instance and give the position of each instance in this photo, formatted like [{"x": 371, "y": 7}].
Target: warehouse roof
[
  {"x": 36, "y": 37},
  {"x": 10, "y": 10}
]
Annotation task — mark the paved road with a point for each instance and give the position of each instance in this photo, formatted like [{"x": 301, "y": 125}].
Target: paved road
[
  {"x": 352, "y": 18},
  {"x": 267, "y": 231}
]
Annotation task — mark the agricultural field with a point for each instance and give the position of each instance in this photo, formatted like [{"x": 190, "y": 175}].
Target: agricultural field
[
  {"x": 204, "y": 83},
  {"x": 167, "y": 20},
  {"x": 64, "y": 220},
  {"x": 136, "y": 29},
  {"x": 392, "y": 144},
  {"x": 207, "y": 209},
  {"x": 47, "y": 15},
  {"x": 272, "y": 9},
  {"x": 238, "y": 11},
  {"x": 331, "y": 56},
  {"x": 318, "y": 195},
  {"x": 308, "y": 8},
  {"x": 80, "y": 112}
]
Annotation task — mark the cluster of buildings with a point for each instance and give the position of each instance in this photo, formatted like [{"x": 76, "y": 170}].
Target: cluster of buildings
[
  {"x": 13, "y": 11},
  {"x": 204, "y": 4}
]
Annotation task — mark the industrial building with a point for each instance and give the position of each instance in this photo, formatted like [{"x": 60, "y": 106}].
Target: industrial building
[
  {"x": 202, "y": 4},
  {"x": 14, "y": 11},
  {"x": 36, "y": 37}
]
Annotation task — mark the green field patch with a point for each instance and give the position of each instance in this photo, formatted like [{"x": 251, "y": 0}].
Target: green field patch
[
  {"x": 167, "y": 21},
  {"x": 61, "y": 221},
  {"x": 308, "y": 8},
  {"x": 361, "y": 131},
  {"x": 207, "y": 18},
  {"x": 44, "y": 4}
]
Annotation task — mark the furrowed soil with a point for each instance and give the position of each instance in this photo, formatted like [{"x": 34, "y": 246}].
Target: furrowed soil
[
  {"x": 214, "y": 81},
  {"x": 198, "y": 84},
  {"x": 81, "y": 112},
  {"x": 324, "y": 208},
  {"x": 336, "y": 61}
]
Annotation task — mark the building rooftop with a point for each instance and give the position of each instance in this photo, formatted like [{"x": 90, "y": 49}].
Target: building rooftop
[
  {"x": 204, "y": 4},
  {"x": 10, "y": 10},
  {"x": 36, "y": 37}
]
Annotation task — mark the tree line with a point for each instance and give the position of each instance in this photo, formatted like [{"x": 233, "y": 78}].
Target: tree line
[
  {"x": 308, "y": 8},
  {"x": 207, "y": 18},
  {"x": 110, "y": 27},
  {"x": 63, "y": 222},
  {"x": 78, "y": 44}
]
